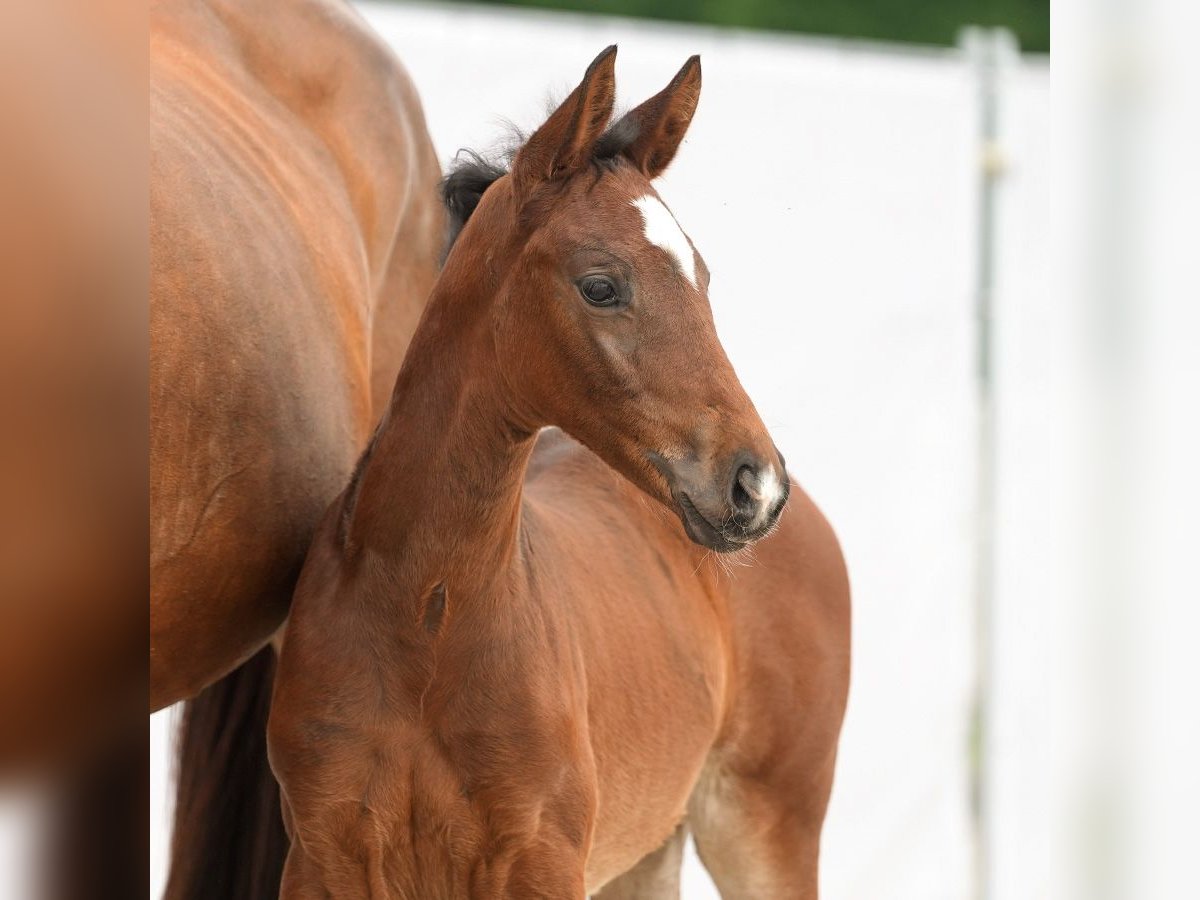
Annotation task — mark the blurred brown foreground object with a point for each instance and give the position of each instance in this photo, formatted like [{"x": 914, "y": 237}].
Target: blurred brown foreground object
[
  {"x": 294, "y": 232},
  {"x": 72, "y": 392},
  {"x": 73, "y": 463}
]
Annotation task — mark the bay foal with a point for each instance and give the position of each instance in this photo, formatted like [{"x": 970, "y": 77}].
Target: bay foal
[{"x": 508, "y": 673}]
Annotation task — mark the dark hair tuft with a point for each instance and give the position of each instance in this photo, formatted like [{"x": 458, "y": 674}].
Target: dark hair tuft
[
  {"x": 471, "y": 173},
  {"x": 616, "y": 139},
  {"x": 470, "y": 176}
]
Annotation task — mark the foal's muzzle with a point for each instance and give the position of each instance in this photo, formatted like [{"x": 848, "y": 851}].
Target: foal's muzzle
[{"x": 735, "y": 509}]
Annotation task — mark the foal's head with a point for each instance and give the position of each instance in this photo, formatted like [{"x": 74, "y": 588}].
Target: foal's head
[{"x": 600, "y": 308}]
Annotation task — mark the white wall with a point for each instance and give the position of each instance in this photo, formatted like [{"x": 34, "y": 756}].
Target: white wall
[{"x": 831, "y": 189}]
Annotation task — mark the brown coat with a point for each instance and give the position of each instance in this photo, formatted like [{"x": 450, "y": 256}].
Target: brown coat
[{"x": 295, "y": 233}]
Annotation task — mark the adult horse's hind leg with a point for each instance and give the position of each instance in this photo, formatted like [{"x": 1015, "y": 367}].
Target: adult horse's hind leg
[{"x": 656, "y": 877}]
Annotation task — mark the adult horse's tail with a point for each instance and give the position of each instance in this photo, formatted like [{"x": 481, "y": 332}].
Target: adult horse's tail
[{"x": 229, "y": 842}]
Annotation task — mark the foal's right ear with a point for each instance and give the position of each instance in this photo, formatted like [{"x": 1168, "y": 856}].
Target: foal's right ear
[{"x": 563, "y": 145}]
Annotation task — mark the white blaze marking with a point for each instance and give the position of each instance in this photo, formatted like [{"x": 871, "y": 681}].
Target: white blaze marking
[{"x": 664, "y": 231}]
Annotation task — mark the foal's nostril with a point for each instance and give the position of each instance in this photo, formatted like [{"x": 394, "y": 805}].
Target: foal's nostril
[{"x": 741, "y": 498}]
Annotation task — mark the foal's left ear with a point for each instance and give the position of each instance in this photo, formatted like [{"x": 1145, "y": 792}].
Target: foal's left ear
[
  {"x": 564, "y": 143},
  {"x": 663, "y": 120}
]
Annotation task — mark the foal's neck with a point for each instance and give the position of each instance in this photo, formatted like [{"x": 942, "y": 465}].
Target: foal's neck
[{"x": 440, "y": 487}]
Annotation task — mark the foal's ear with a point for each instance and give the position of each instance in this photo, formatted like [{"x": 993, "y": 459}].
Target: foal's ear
[
  {"x": 663, "y": 120},
  {"x": 563, "y": 145}
]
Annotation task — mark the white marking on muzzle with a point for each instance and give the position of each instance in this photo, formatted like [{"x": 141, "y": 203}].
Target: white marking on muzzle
[
  {"x": 770, "y": 489},
  {"x": 663, "y": 231}
]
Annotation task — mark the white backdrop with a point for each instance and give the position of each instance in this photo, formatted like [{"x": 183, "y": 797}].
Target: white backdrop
[{"x": 832, "y": 190}]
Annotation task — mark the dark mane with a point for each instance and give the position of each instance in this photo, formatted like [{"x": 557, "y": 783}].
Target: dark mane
[
  {"x": 617, "y": 138},
  {"x": 471, "y": 173}
]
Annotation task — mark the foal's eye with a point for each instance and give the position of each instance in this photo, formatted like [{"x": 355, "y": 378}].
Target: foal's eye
[{"x": 598, "y": 290}]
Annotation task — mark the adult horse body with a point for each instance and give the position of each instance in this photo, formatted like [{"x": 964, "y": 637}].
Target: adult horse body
[
  {"x": 507, "y": 672},
  {"x": 295, "y": 235}
]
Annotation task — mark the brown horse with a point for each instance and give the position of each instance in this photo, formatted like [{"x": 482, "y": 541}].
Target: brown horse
[
  {"x": 507, "y": 672},
  {"x": 295, "y": 235}
]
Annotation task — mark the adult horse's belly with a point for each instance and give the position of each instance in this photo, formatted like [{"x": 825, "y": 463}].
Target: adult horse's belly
[{"x": 272, "y": 230}]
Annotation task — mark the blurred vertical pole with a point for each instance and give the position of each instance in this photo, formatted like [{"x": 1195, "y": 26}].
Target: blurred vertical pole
[{"x": 985, "y": 50}]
